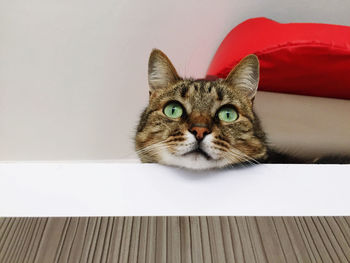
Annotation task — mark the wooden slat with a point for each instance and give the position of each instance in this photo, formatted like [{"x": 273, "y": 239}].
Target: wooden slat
[
  {"x": 248, "y": 252},
  {"x": 205, "y": 240},
  {"x": 36, "y": 239},
  {"x": 175, "y": 239},
  {"x": 24, "y": 251},
  {"x": 298, "y": 245},
  {"x": 161, "y": 239},
  {"x": 336, "y": 233},
  {"x": 335, "y": 239},
  {"x": 317, "y": 238},
  {"x": 151, "y": 241},
  {"x": 285, "y": 240},
  {"x": 124, "y": 250},
  {"x": 216, "y": 239},
  {"x": 271, "y": 240},
  {"x": 227, "y": 240},
  {"x": 141, "y": 257},
  {"x": 256, "y": 239},
  {"x": 107, "y": 240},
  {"x": 24, "y": 238},
  {"x": 135, "y": 237},
  {"x": 75, "y": 248},
  {"x": 87, "y": 239},
  {"x": 185, "y": 236},
  {"x": 196, "y": 242},
  {"x": 116, "y": 240},
  {"x": 52, "y": 239},
  {"x": 309, "y": 240},
  {"x": 236, "y": 240},
  {"x": 101, "y": 234},
  {"x": 336, "y": 257},
  {"x": 7, "y": 236},
  {"x": 10, "y": 244}
]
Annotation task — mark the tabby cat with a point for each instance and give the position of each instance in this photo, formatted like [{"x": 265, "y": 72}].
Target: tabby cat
[{"x": 201, "y": 124}]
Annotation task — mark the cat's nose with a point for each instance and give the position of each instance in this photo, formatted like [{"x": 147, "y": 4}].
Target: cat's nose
[{"x": 199, "y": 131}]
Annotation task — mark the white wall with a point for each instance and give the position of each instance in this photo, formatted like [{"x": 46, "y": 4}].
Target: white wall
[{"x": 73, "y": 73}]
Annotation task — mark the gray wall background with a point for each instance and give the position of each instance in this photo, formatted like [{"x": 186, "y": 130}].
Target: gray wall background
[{"x": 73, "y": 73}]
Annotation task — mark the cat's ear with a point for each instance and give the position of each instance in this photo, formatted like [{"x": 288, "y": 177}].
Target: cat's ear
[
  {"x": 161, "y": 73},
  {"x": 245, "y": 75}
]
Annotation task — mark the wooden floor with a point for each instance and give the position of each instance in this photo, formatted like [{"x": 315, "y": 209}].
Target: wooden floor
[{"x": 175, "y": 239}]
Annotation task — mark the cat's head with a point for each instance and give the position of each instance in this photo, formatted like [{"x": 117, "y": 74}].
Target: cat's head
[{"x": 200, "y": 124}]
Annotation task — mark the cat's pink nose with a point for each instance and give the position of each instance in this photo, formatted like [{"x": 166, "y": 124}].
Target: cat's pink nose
[{"x": 199, "y": 132}]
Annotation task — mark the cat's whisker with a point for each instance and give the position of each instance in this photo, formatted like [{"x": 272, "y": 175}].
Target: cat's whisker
[
  {"x": 246, "y": 156},
  {"x": 242, "y": 157},
  {"x": 150, "y": 147},
  {"x": 236, "y": 156},
  {"x": 262, "y": 165},
  {"x": 154, "y": 148},
  {"x": 229, "y": 157}
]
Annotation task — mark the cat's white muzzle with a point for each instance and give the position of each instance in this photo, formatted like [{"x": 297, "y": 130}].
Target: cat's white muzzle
[{"x": 188, "y": 156}]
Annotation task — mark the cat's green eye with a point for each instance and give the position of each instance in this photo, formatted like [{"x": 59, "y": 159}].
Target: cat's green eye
[
  {"x": 173, "y": 110},
  {"x": 228, "y": 114}
]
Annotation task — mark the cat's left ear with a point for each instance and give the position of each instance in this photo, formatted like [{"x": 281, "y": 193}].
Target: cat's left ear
[
  {"x": 161, "y": 72},
  {"x": 245, "y": 75}
]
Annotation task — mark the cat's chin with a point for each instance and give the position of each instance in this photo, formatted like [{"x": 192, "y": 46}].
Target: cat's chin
[
  {"x": 197, "y": 153},
  {"x": 195, "y": 160}
]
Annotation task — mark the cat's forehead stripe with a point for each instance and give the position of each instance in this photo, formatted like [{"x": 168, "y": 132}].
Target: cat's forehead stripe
[
  {"x": 184, "y": 90},
  {"x": 200, "y": 87},
  {"x": 219, "y": 92}
]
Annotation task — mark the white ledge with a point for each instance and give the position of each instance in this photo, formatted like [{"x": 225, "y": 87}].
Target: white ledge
[{"x": 130, "y": 189}]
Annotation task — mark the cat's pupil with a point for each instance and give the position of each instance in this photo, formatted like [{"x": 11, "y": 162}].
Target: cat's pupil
[
  {"x": 227, "y": 114},
  {"x": 173, "y": 110}
]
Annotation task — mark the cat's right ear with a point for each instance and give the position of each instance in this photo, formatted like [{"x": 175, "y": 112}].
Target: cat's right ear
[
  {"x": 245, "y": 76},
  {"x": 161, "y": 73}
]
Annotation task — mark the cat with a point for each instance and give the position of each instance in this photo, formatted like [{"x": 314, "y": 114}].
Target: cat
[{"x": 202, "y": 124}]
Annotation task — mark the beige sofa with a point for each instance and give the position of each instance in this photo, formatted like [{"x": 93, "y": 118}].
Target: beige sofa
[{"x": 305, "y": 125}]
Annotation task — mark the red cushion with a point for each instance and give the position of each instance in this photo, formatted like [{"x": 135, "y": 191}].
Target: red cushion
[{"x": 300, "y": 58}]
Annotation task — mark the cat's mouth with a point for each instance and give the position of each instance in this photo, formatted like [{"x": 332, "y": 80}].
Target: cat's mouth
[{"x": 199, "y": 151}]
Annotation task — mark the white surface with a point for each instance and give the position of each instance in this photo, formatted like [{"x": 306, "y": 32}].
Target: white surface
[
  {"x": 73, "y": 74},
  {"x": 115, "y": 189}
]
